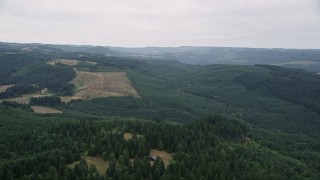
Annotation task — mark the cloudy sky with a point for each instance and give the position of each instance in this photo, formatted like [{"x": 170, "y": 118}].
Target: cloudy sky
[{"x": 136, "y": 23}]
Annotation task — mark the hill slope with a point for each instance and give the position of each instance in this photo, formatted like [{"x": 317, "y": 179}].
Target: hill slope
[
  {"x": 38, "y": 146},
  {"x": 271, "y": 130}
]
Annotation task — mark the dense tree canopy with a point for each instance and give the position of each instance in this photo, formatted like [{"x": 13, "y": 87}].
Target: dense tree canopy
[{"x": 214, "y": 147}]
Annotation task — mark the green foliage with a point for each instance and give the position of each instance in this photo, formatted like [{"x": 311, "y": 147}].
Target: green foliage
[
  {"x": 297, "y": 86},
  {"x": 114, "y": 106},
  {"x": 55, "y": 78},
  {"x": 30, "y": 73},
  {"x": 46, "y": 101},
  {"x": 112, "y": 61},
  {"x": 290, "y": 145},
  {"x": 14, "y": 104},
  {"x": 213, "y": 147},
  {"x": 176, "y": 92},
  {"x": 18, "y": 90},
  {"x": 11, "y": 63},
  {"x": 28, "y": 147}
]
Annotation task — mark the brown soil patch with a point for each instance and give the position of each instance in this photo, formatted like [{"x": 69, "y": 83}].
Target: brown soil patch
[
  {"x": 100, "y": 164},
  {"x": 45, "y": 110},
  {"x": 166, "y": 157},
  {"x": 128, "y": 136},
  {"x": 3, "y": 88},
  {"x": 91, "y": 85}
]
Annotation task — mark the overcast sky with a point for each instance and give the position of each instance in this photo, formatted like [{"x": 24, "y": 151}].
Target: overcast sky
[{"x": 132, "y": 23}]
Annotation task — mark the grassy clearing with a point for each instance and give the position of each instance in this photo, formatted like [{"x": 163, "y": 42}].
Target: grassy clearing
[
  {"x": 128, "y": 136},
  {"x": 64, "y": 61},
  {"x": 100, "y": 164},
  {"x": 45, "y": 110},
  {"x": 166, "y": 157},
  {"x": 91, "y": 85},
  {"x": 69, "y": 62},
  {"x": 3, "y": 88}
]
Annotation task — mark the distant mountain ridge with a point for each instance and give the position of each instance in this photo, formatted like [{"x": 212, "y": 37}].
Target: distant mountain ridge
[{"x": 308, "y": 59}]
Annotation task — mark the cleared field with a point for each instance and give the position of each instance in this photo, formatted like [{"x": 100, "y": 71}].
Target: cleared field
[
  {"x": 91, "y": 85},
  {"x": 166, "y": 157},
  {"x": 100, "y": 164},
  {"x": 89, "y": 62},
  {"x": 69, "y": 62},
  {"x": 3, "y": 88},
  {"x": 128, "y": 136},
  {"x": 45, "y": 110}
]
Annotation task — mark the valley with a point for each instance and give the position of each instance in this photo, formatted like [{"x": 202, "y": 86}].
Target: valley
[{"x": 74, "y": 115}]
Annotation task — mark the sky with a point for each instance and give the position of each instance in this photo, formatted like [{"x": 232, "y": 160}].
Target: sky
[{"x": 140, "y": 23}]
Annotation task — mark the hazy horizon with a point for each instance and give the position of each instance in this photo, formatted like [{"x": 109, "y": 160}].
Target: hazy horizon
[
  {"x": 290, "y": 24},
  {"x": 196, "y": 46}
]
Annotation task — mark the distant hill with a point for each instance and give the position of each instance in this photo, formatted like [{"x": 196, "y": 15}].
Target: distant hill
[
  {"x": 264, "y": 95},
  {"x": 58, "y": 48},
  {"x": 308, "y": 59}
]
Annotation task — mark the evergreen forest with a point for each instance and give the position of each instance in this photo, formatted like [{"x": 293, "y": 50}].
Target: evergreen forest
[{"x": 215, "y": 121}]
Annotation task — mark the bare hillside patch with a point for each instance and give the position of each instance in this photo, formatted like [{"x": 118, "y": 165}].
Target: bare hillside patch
[
  {"x": 128, "y": 136},
  {"x": 165, "y": 156},
  {"x": 3, "y": 88},
  {"x": 45, "y": 110},
  {"x": 91, "y": 85},
  {"x": 98, "y": 162},
  {"x": 70, "y": 62}
]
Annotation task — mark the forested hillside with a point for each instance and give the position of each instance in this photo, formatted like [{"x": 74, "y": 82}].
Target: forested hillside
[
  {"x": 256, "y": 94},
  {"x": 265, "y": 125},
  {"x": 30, "y": 73},
  {"x": 42, "y": 147}
]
